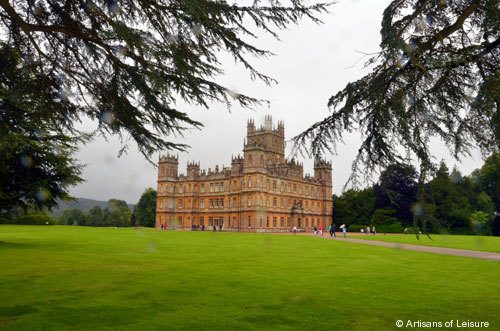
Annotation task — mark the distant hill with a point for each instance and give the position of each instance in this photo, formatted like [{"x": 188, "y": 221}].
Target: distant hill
[{"x": 81, "y": 203}]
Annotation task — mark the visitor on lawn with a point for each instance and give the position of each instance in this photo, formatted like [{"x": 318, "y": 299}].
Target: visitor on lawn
[
  {"x": 373, "y": 230},
  {"x": 321, "y": 230},
  {"x": 294, "y": 230},
  {"x": 315, "y": 230}
]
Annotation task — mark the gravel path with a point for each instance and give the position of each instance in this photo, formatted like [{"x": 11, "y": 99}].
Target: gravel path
[{"x": 430, "y": 249}]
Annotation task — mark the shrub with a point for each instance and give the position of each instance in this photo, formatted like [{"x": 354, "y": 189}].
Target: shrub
[
  {"x": 389, "y": 228},
  {"x": 384, "y": 216},
  {"x": 35, "y": 219},
  {"x": 355, "y": 228},
  {"x": 4, "y": 220}
]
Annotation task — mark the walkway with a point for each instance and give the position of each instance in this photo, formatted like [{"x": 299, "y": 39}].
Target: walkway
[{"x": 429, "y": 249}]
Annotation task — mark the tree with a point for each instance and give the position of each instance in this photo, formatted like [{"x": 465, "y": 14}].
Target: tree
[
  {"x": 117, "y": 213},
  {"x": 36, "y": 167},
  {"x": 125, "y": 64},
  {"x": 436, "y": 76},
  {"x": 489, "y": 178},
  {"x": 354, "y": 207},
  {"x": 397, "y": 188},
  {"x": 70, "y": 216},
  {"x": 146, "y": 208},
  {"x": 95, "y": 217}
]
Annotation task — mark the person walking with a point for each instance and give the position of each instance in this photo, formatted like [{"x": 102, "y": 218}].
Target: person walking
[
  {"x": 294, "y": 230},
  {"x": 315, "y": 230},
  {"x": 162, "y": 226},
  {"x": 367, "y": 230},
  {"x": 321, "y": 230},
  {"x": 373, "y": 230},
  {"x": 215, "y": 227},
  {"x": 332, "y": 231},
  {"x": 220, "y": 227},
  {"x": 344, "y": 230},
  {"x": 203, "y": 227}
]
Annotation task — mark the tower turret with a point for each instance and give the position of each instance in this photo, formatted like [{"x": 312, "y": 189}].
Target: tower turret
[{"x": 168, "y": 166}]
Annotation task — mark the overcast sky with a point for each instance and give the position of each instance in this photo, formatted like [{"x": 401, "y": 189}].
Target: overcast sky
[{"x": 312, "y": 63}]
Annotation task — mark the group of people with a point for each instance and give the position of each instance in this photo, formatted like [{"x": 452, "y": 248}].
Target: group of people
[
  {"x": 331, "y": 230},
  {"x": 367, "y": 230},
  {"x": 196, "y": 227},
  {"x": 215, "y": 227}
]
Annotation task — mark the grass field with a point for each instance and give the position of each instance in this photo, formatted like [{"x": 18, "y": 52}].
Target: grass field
[
  {"x": 476, "y": 243},
  {"x": 63, "y": 277}
]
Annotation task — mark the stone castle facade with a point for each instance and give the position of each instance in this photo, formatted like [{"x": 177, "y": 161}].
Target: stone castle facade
[{"x": 260, "y": 192}]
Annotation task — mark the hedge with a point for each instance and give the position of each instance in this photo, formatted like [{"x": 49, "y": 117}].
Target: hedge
[{"x": 35, "y": 219}]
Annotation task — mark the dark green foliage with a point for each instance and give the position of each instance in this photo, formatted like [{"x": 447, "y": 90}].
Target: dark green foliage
[
  {"x": 82, "y": 220},
  {"x": 384, "y": 216},
  {"x": 126, "y": 63},
  {"x": 389, "y": 228},
  {"x": 70, "y": 217},
  {"x": 117, "y": 213},
  {"x": 36, "y": 167},
  {"x": 353, "y": 206},
  {"x": 95, "y": 217},
  {"x": 4, "y": 220},
  {"x": 436, "y": 76},
  {"x": 489, "y": 178},
  {"x": 35, "y": 219},
  {"x": 146, "y": 208},
  {"x": 397, "y": 188},
  {"x": 356, "y": 227}
]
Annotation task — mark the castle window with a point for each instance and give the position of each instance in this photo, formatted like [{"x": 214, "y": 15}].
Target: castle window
[
  {"x": 267, "y": 201},
  {"x": 282, "y": 222},
  {"x": 262, "y": 160},
  {"x": 249, "y": 181},
  {"x": 295, "y": 187},
  {"x": 202, "y": 188},
  {"x": 275, "y": 185},
  {"x": 307, "y": 204},
  {"x": 221, "y": 186},
  {"x": 288, "y": 224},
  {"x": 267, "y": 222},
  {"x": 274, "y": 202},
  {"x": 181, "y": 189},
  {"x": 289, "y": 202},
  {"x": 307, "y": 222},
  {"x": 180, "y": 204},
  {"x": 211, "y": 187},
  {"x": 216, "y": 201},
  {"x": 248, "y": 221},
  {"x": 267, "y": 184},
  {"x": 274, "y": 222},
  {"x": 210, "y": 221},
  {"x": 179, "y": 221},
  {"x": 202, "y": 220},
  {"x": 282, "y": 203},
  {"x": 216, "y": 187},
  {"x": 249, "y": 160},
  {"x": 172, "y": 189},
  {"x": 211, "y": 203},
  {"x": 260, "y": 201},
  {"x": 202, "y": 203},
  {"x": 260, "y": 221},
  {"x": 221, "y": 202},
  {"x": 249, "y": 200}
]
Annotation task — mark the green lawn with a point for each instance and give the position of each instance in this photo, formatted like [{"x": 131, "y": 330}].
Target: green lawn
[
  {"x": 59, "y": 277},
  {"x": 476, "y": 243}
]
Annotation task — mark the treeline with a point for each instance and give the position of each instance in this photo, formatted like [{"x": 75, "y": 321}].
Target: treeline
[
  {"x": 451, "y": 202},
  {"x": 116, "y": 213}
]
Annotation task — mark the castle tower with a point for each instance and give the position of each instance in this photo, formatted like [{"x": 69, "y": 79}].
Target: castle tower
[
  {"x": 168, "y": 166},
  {"x": 193, "y": 170},
  {"x": 265, "y": 145},
  {"x": 323, "y": 171}
]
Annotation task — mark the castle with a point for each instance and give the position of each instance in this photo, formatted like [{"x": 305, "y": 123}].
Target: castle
[{"x": 260, "y": 192}]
